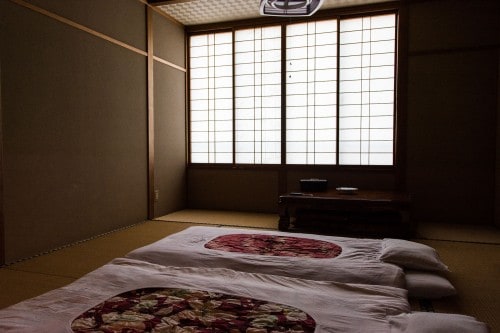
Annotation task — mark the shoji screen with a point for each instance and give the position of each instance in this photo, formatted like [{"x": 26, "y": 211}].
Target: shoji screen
[
  {"x": 258, "y": 95},
  {"x": 366, "y": 105},
  {"x": 211, "y": 96},
  {"x": 311, "y": 62}
]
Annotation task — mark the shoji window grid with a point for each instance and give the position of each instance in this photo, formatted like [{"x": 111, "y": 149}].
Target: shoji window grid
[
  {"x": 366, "y": 90},
  {"x": 371, "y": 117},
  {"x": 311, "y": 60},
  {"x": 211, "y": 96},
  {"x": 257, "y": 87}
]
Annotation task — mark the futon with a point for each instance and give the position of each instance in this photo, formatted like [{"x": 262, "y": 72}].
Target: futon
[
  {"x": 135, "y": 296},
  {"x": 128, "y": 295},
  {"x": 307, "y": 256}
]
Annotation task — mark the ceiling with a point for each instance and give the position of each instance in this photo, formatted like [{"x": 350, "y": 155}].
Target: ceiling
[{"x": 194, "y": 12}]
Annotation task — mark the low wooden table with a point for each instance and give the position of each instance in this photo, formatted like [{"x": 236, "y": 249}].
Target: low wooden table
[{"x": 363, "y": 212}]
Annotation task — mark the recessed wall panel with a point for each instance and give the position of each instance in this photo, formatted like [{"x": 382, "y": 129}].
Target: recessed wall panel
[
  {"x": 240, "y": 190},
  {"x": 451, "y": 136},
  {"x": 168, "y": 40},
  {"x": 123, "y": 20},
  {"x": 74, "y": 133},
  {"x": 170, "y": 139}
]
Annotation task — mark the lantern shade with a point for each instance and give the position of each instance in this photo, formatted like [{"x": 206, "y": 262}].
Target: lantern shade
[{"x": 289, "y": 7}]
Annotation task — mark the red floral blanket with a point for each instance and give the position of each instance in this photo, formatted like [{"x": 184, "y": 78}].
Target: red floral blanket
[
  {"x": 272, "y": 245},
  {"x": 180, "y": 310}
]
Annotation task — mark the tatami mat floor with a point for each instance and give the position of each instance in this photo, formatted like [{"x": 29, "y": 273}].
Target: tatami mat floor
[
  {"x": 473, "y": 255},
  {"x": 223, "y": 218},
  {"x": 32, "y": 277}
]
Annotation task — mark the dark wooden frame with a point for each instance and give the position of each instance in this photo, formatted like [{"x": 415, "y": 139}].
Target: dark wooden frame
[
  {"x": 399, "y": 166},
  {"x": 2, "y": 224}
]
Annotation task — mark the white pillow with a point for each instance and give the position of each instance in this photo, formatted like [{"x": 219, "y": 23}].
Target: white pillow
[
  {"x": 428, "y": 285},
  {"x": 411, "y": 255},
  {"x": 431, "y": 322}
]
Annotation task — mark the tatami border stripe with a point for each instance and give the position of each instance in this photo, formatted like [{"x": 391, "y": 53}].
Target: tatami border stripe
[{"x": 62, "y": 247}]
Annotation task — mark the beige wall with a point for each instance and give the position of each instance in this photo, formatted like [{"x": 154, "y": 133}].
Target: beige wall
[
  {"x": 169, "y": 117},
  {"x": 170, "y": 142},
  {"x": 233, "y": 189},
  {"x": 75, "y": 121}
]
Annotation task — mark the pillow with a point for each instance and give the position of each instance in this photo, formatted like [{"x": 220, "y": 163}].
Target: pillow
[
  {"x": 428, "y": 285},
  {"x": 411, "y": 255},
  {"x": 425, "y": 322}
]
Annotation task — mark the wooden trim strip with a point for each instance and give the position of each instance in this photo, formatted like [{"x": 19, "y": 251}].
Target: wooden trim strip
[
  {"x": 96, "y": 33},
  {"x": 168, "y": 63},
  {"x": 401, "y": 98},
  {"x": 151, "y": 124},
  {"x": 78, "y": 26},
  {"x": 2, "y": 220}
]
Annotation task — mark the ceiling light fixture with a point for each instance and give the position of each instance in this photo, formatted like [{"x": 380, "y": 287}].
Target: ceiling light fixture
[{"x": 289, "y": 7}]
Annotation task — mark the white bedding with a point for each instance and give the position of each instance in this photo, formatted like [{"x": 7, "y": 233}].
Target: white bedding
[
  {"x": 335, "y": 307},
  {"x": 357, "y": 263}
]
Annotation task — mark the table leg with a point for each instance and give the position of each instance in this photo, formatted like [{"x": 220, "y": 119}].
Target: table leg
[{"x": 284, "y": 221}]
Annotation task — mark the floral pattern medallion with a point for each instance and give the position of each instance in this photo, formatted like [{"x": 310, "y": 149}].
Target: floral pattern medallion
[
  {"x": 179, "y": 310},
  {"x": 272, "y": 245}
]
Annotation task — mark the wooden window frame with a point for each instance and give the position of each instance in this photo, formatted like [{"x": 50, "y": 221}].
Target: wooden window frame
[{"x": 400, "y": 104}]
